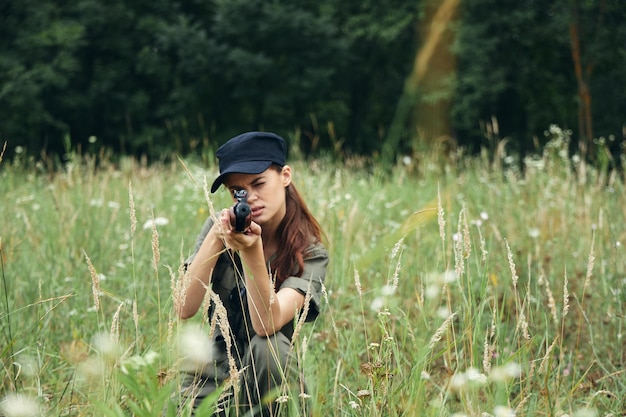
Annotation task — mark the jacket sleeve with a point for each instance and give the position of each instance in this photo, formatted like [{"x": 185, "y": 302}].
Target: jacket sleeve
[{"x": 312, "y": 279}]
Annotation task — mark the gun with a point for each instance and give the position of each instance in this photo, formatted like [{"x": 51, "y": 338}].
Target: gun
[{"x": 240, "y": 212}]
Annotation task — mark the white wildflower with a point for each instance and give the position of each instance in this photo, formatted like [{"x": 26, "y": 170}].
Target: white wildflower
[
  {"x": 387, "y": 290},
  {"x": 432, "y": 291},
  {"x": 502, "y": 411},
  {"x": 508, "y": 371},
  {"x": 18, "y": 405},
  {"x": 106, "y": 346},
  {"x": 585, "y": 412},
  {"x": 282, "y": 399},
  {"x": 377, "y": 304},
  {"x": 157, "y": 221},
  {"x": 195, "y": 348}
]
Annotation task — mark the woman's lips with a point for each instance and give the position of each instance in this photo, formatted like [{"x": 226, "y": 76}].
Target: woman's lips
[{"x": 256, "y": 211}]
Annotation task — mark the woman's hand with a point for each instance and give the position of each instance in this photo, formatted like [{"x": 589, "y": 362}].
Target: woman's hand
[{"x": 234, "y": 240}]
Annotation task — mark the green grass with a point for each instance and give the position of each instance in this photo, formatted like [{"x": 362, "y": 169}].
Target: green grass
[{"x": 456, "y": 287}]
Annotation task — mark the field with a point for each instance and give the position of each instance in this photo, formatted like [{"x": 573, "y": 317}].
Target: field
[{"x": 465, "y": 286}]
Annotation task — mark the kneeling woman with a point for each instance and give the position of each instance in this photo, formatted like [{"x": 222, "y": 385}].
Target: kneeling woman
[{"x": 262, "y": 278}]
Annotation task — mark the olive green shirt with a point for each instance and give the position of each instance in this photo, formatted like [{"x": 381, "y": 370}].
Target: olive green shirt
[{"x": 228, "y": 283}]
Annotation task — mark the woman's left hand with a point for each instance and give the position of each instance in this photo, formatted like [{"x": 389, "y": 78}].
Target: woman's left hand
[{"x": 235, "y": 240}]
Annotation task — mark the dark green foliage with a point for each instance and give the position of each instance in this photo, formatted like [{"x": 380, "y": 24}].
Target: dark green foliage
[{"x": 155, "y": 77}]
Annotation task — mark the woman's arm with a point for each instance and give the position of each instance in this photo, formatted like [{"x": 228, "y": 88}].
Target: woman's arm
[
  {"x": 269, "y": 311},
  {"x": 200, "y": 270}
]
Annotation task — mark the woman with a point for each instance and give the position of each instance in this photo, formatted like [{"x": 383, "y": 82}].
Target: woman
[{"x": 265, "y": 278}]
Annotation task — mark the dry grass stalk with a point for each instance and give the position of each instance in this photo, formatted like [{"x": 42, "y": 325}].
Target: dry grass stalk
[
  {"x": 546, "y": 357},
  {"x": 131, "y": 207},
  {"x": 467, "y": 243},
  {"x": 303, "y": 315},
  {"x": 522, "y": 324},
  {"x": 332, "y": 318},
  {"x": 115, "y": 324},
  {"x": 179, "y": 284},
  {"x": 487, "y": 354},
  {"x": 441, "y": 217},
  {"x": 4, "y": 148},
  {"x": 207, "y": 197},
  {"x": 95, "y": 282},
  {"x": 357, "y": 283},
  {"x": 520, "y": 406},
  {"x": 551, "y": 301},
  {"x": 397, "y": 251},
  {"x": 206, "y": 303},
  {"x": 441, "y": 330},
  {"x": 136, "y": 317},
  {"x": 509, "y": 255},
  {"x": 222, "y": 321},
  {"x": 156, "y": 254},
  {"x": 565, "y": 296},
  {"x": 459, "y": 263},
  {"x": 590, "y": 264}
]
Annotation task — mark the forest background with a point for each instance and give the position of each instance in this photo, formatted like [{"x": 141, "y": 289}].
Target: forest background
[{"x": 160, "y": 77}]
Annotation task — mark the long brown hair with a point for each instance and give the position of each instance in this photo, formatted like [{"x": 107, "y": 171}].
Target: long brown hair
[{"x": 296, "y": 232}]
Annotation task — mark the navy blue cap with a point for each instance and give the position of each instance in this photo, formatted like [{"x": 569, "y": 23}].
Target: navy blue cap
[{"x": 249, "y": 153}]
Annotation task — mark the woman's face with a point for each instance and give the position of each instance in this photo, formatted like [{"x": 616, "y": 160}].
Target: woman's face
[{"x": 266, "y": 193}]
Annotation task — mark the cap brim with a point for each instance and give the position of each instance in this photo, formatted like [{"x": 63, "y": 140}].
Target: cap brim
[{"x": 244, "y": 167}]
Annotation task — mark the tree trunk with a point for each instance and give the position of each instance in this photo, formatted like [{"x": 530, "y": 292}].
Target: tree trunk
[{"x": 585, "y": 125}]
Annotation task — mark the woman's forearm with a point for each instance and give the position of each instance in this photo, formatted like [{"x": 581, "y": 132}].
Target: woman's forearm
[
  {"x": 261, "y": 295},
  {"x": 269, "y": 310},
  {"x": 199, "y": 275}
]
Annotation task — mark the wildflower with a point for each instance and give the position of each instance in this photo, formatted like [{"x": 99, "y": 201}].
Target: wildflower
[
  {"x": 502, "y": 411},
  {"x": 106, "y": 345},
  {"x": 473, "y": 375},
  {"x": 534, "y": 233},
  {"x": 388, "y": 290},
  {"x": 458, "y": 381},
  {"x": 432, "y": 291},
  {"x": 195, "y": 347},
  {"x": 158, "y": 221},
  {"x": 282, "y": 399},
  {"x": 449, "y": 277},
  {"x": 354, "y": 405},
  {"x": 362, "y": 393},
  {"x": 508, "y": 371},
  {"x": 585, "y": 412},
  {"x": 443, "y": 312},
  {"x": 18, "y": 405},
  {"x": 377, "y": 304}
]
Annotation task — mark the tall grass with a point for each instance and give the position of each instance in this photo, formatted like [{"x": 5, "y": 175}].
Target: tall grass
[{"x": 455, "y": 287}]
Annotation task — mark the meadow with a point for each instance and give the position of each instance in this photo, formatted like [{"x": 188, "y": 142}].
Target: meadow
[{"x": 464, "y": 286}]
